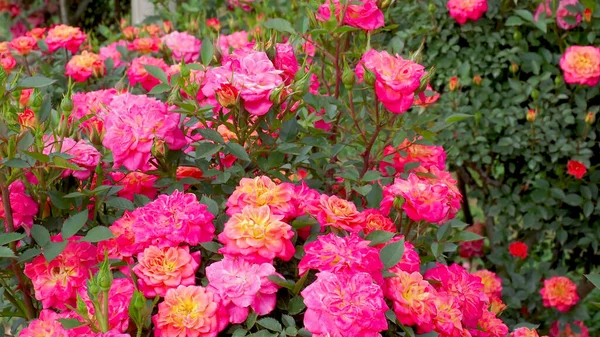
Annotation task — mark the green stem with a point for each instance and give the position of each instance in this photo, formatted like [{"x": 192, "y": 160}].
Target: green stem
[{"x": 105, "y": 293}]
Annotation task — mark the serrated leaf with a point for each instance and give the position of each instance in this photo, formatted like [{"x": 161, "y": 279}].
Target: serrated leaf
[
  {"x": 17, "y": 163},
  {"x": 457, "y": 118},
  {"x": 296, "y": 305},
  {"x": 573, "y": 199},
  {"x": 120, "y": 203},
  {"x": 38, "y": 156},
  {"x": 251, "y": 319},
  {"x": 73, "y": 224},
  {"x": 467, "y": 236},
  {"x": 65, "y": 164},
  {"x": 392, "y": 253},
  {"x": 159, "y": 89},
  {"x": 595, "y": 279},
  {"x": 211, "y": 246},
  {"x": 525, "y": 15},
  {"x": 237, "y": 150},
  {"x": 10, "y": 237},
  {"x": 513, "y": 21},
  {"x": 70, "y": 323},
  {"x": 29, "y": 254},
  {"x": 379, "y": 237},
  {"x": 288, "y": 321},
  {"x": 40, "y": 235},
  {"x": 280, "y": 25},
  {"x": 270, "y": 323},
  {"x": 157, "y": 73},
  {"x": 207, "y": 51},
  {"x": 98, "y": 234},
  {"x": 211, "y": 134},
  {"x": 34, "y": 82},
  {"x": 6, "y": 252},
  {"x": 53, "y": 249}
]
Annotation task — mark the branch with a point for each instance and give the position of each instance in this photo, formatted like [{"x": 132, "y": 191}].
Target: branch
[
  {"x": 81, "y": 9},
  {"x": 64, "y": 12}
]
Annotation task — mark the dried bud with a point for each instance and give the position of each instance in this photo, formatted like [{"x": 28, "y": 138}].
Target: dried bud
[
  {"x": 531, "y": 115},
  {"x": 590, "y": 118},
  {"x": 477, "y": 80},
  {"x": 587, "y": 15},
  {"x": 453, "y": 84},
  {"x": 227, "y": 95},
  {"x": 514, "y": 68}
]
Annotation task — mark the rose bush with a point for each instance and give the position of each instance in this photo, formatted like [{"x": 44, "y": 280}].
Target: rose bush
[{"x": 236, "y": 170}]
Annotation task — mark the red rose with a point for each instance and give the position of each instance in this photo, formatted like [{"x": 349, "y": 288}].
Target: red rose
[
  {"x": 518, "y": 249},
  {"x": 576, "y": 169}
]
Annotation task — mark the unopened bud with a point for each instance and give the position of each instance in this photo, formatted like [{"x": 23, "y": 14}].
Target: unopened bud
[
  {"x": 453, "y": 84},
  {"x": 514, "y": 68},
  {"x": 227, "y": 95},
  {"x": 590, "y": 118},
  {"x": 477, "y": 80},
  {"x": 431, "y": 7},
  {"x": 185, "y": 71},
  {"x": 398, "y": 202},
  {"x": 535, "y": 94},
  {"x": 138, "y": 300},
  {"x": 158, "y": 148},
  {"x": 66, "y": 105},
  {"x": 348, "y": 78},
  {"x": 587, "y": 15},
  {"x": 557, "y": 80},
  {"x": 531, "y": 115},
  {"x": 517, "y": 36},
  {"x": 369, "y": 77},
  {"x": 384, "y": 4},
  {"x": 37, "y": 101}
]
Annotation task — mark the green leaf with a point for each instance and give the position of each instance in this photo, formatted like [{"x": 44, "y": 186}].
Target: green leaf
[
  {"x": 513, "y": 21},
  {"x": 251, "y": 319},
  {"x": 211, "y": 246},
  {"x": 238, "y": 151},
  {"x": 70, "y": 323},
  {"x": 270, "y": 323},
  {"x": 159, "y": 89},
  {"x": 371, "y": 175},
  {"x": 207, "y": 51},
  {"x": 212, "y": 205},
  {"x": 53, "y": 249},
  {"x": 17, "y": 163},
  {"x": 281, "y": 281},
  {"x": 239, "y": 333},
  {"x": 457, "y": 118},
  {"x": 73, "y": 224},
  {"x": 40, "y": 235},
  {"x": 10, "y": 237},
  {"x": 6, "y": 252},
  {"x": 526, "y": 325},
  {"x": 443, "y": 231},
  {"x": 288, "y": 321},
  {"x": 467, "y": 236},
  {"x": 38, "y": 156},
  {"x": 98, "y": 234},
  {"x": 65, "y": 164},
  {"x": 391, "y": 254},
  {"x": 573, "y": 199},
  {"x": 595, "y": 279},
  {"x": 29, "y": 254},
  {"x": 379, "y": 237},
  {"x": 34, "y": 82},
  {"x": 157, "y": 73},
  {"x": 525, "y": 15},
  {"x": 206, "y": 149},
  {"x": 211, "y": 134},
  {"x": 296, "y": 305},
  {"x": 120, "y": 203},
  {"x": 280, "y": 25}
]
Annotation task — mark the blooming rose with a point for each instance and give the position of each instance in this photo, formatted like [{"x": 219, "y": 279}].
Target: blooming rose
[
  {"x": 518, "y": 249},
  {"x": 581, "y": 65},
  {"x": 576, "y": 169},
  {"x": 559, "y": 292},
  {"x": 83, "y": 66},
  {"x": 489, "y": 326},
  {"x": 23, "y": 207},
  {"x": 92, "y": 103},
  {"x": 37, "y": 33},
  {"x": 243, "y": 285},
  {"x": 363, "y": 14},
  {"x": 190, "y": 311},
  {"x": 492, "y": 284},
  {"x": 184, "y": 46},
  {"x": 524, "y": 332},
  {"x": 63, "y": 36},
  {"x": 413, "y": 299},
  {"x": 396, "y": 79},
  {"x": 145, "y": 45},
  {"x": 448, "y": 317},
  {"x": 462, "y": 10},
  {"x": 134, "y": 183},
  {"x": 85, "y": 156},
  {"x": 46, "y": 325},
  {"x": 339, "y": 213},
  {"x": 375, "y": 221},
  {"x": 7, "y": 62},
  {"x": 138, "y": 74},
  {"x": 261, "y": 191},
  {"x": 23, "y": 45},
  {"x": 257, "y": 235},
  {"x": 56, "y": 283},
  {"x": 133, "y": 123},
  {"x": 285, "y": 60},
  {"x": 161, "y": 269},
  {"x": 111, "y": 52},
  {"x": 234, "y": 41},
  {"x": 411, "y": 152},
  {"x": 347, "y": 255}
]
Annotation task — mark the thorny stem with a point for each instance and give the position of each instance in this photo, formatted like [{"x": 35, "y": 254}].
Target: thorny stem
[{"x": 10, "y": 228}]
